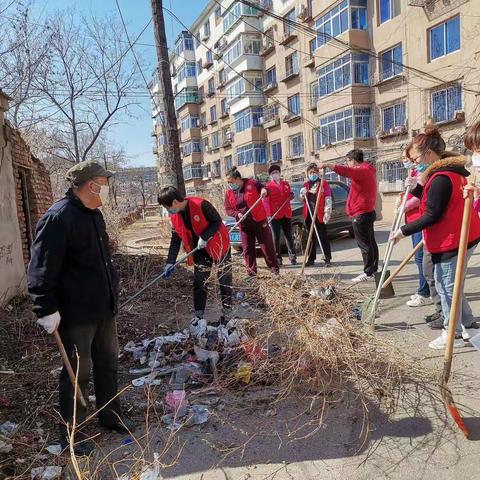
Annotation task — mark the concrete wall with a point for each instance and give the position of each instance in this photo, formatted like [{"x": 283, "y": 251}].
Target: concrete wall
[{"x": 12, "y": 266}]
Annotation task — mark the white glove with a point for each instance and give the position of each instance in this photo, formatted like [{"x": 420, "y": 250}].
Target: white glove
[
  {"x": 303, "y": 192},
  {"x": 327, "y": 213},
  {"x": 263, "y": 192},
  {"x": 50, "y": 322},
  {"x": 411, "y": 182},
  {"x": 201, "y": 243}
]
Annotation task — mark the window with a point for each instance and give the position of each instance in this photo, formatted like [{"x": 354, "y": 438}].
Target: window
[
  {"x": 393, "y": 116},
  {"x": 276, "y": 151},
  {"x": 445, "y": 38},
  {"x": 186, "y": 95},
  {"x": 314, "y": 94},
  {"x": 203, "y": 119},
  {"x": 224, "y": 106},
  {"x": 215, "y": 140},
  {"x": 201, "y": 93},
  {"x": 217, "y": 168},
  {"x": 221, "y": 76},
  {"x": 192, "y": 171},
  {"x": 206, "y": 29},
  {"x": 184, "y": 42},
  {"x": 188, "y": 122},
  {"x": 218, "y": 12},
  {"x": 199, "y": 66},
  {"x": 233, "y": 14},
  {"x": 291, "y": 64},
  {"x": 192, "y": 146},
  {"x": 388, "y": 9},
  {"x": 270, "y": 112},
  {"x": 205, "y": 144},
  {"x": 296, "y": 145},
  {"x": 228, "y": 162},
  {"x": 233, "y": 52},
  {"x": 339, "y": 73},
  {"x": 211, "y": 86},
  {"x": 248, "y": 118},
  {"x": 391, "y": 62},
  {"x": 213, "y": 113},
  {"x": 294, "y": 104},
  {"x": 337, "y": 20},
  {"x": 251, "y": 44},
  {"x": 289, "y": 23},
  {"x": 249, "y": 84},
  {"x": 345, "y": 125},
  {"x": 209, "y": 56},
  {"x": 271, "y": 76},
  {"x": 251, "y": 153},
  {"x": 186, "y": 70},
  {"x": 445, "y": 102}
]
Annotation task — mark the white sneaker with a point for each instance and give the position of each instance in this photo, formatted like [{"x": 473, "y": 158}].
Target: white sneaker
[
  {"x": 414, "y": 296},
  {"x": 440, "y": 342},
  {"x": 198, "y": 327},
  {"x": 419, "y": 301},
  {"x": 363, "y": 277}
]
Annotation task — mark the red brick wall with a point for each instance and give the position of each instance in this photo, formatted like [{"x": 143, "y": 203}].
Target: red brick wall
[{"x": 38, "y": 187}]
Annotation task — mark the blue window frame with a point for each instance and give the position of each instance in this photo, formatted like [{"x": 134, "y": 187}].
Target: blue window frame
[
  {"x": 188, "y": 69},
  {"x": 393, "y": 116},
  {"x": 391, "y": 62},
  {"x": 386, "y": 10},
  {"x": 213, "y": 113},
  {"x": 276, "y": 151},
  {"x": 248, "y": 118},
  {"x": 296, "y": 145},
  {"x": 209, "y": 56},
  {"x": 251, "y": 153},
  {"x": 228, "y": 162},
  {"x": 294, "y": 104},
  {"x": 345, "y": 125},
  {"x": 445, "y": 38},
  {"x": 271, "y": 76},
  {"x": 445, "y": 102}
]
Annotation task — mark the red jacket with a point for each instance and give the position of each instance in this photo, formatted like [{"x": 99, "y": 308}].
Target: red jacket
[
  {"x": 279, "y": 193},
  {"x": 363, "y": 189},
  {"x": 251, "y": 196},
  {"x": 217, "y": 246},
  {"x": 444, "y": 235},
  {"x": 326, "y": 192}
]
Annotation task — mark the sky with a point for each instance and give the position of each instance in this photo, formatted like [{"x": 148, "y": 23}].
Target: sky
[{"x": 135, "y": 134}]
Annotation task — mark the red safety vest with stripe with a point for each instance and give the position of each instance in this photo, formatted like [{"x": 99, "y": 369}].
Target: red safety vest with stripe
[
  {"x": 444, "y": 235},
  {"x": 321, "y": 207},
  {"x": 216, "y": 247},
  {"x": 251, "y": 196},
  {"x": 279, "y": 193}
]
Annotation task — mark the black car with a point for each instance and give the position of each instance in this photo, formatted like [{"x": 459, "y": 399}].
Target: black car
[{"x": 339, "y": 221}]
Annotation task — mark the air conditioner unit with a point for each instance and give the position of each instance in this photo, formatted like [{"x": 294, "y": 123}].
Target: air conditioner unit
[
  {"x": 459, "y": 115},
  {"x": 401, "y": 129},
  {"x": 229, "y": 135}
]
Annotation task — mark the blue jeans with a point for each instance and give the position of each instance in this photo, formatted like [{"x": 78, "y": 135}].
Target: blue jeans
[
  {"x": 444, "y": 281},
  {"x": 423, "y": 288}
]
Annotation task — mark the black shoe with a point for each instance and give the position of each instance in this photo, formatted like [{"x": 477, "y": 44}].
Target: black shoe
[
  {"x": 474, "y": 325},
  {"x": 328, "y": 263},
  {"x": 122, "y": 425},
  {"x": 310, "y": 264},
  {"x": 293, "y": 261},
  {"x": 436, "y": 324},
  {"x": 432, "y": 317}
]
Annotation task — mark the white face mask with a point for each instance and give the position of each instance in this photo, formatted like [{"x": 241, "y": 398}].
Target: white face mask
[
  {"x": 275, "y": 176},
  {"x": 103, "y": 193},
  {"x": 476, "y": 159}
]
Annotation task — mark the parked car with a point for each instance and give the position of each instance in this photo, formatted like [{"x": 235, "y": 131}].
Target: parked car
[{"x": 339, "y": 221}]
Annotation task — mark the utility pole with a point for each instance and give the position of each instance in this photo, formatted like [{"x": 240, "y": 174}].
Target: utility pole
[{"x": 173, "y": 161}]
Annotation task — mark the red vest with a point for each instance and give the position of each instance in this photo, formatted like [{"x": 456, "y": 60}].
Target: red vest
[
  {"x": 321, "y": 207},
  {"x": 444, "y": 235},
  {"x": 251, "y": 196},
  {"x": 217, "y": 246},
  {"x": 279, "y": 193},
  {"x": 413, "y": 214}
]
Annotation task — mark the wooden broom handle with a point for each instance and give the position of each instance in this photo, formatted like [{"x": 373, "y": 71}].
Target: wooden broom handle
[{"x": 389, "y": 280}]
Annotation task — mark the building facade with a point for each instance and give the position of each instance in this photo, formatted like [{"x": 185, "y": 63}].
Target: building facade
[{"x": 294, "y": 81}]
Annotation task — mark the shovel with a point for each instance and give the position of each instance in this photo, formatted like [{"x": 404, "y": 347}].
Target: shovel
[{"x": 454, "y": 317}]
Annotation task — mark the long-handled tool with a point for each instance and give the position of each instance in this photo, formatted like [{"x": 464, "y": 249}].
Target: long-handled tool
[
  {"x": 276, "y": 213},
  {"x": 235, "y": 225},
  {"x": 389, "y": 280},
  {"x": 68, "y": 366},
  {"x": 370, "y": 307},
  {"x": 454, "y": 317}
]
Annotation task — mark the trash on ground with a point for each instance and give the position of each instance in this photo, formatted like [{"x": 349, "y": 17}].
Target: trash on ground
[
  {"x": 177, "y": 401},
  {"x": 475, "y": 341},
  {"x": 54, "y": 449},
  {"x": 5, "y": 447},
  {"x": 253, "y": 351},
  {"x": 244, "y": 372},
  {"x": 150, "y": 379},
  {"x": 240, "y": 295},
  {"x": 328, "y": 293},
  {"x": 193, "y": 415},
  {"x": 148, "y": 472},
  {"x": 46, "y": 473},
  {"x": 127, "y": 441},
  {"x": 7, "y": 428},
  {"x": 92, "y": 398}
]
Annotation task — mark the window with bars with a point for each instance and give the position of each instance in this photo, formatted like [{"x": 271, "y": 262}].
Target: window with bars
[
  {"x": 291, "y": 64},
  {"x": 276, "y": 151},
  {"x": 393, "y": 116},
  {"x": 217, "y": 168},
  {"x": 224, "y": 106},
  {"x": 391, "y": 62},
  {"x": 271, "y": 76},
  {"x": 295, "y": 143},
  {"x": 192, "y": 171},
  {"x": 270, "y": 112},
  {"x": 251, "y": 153},
  {"x": 213, "y": 113},
  {"x": 228, "y": 161},
  {"x": 445, "y": 38},
  {"x": 215, "y": 143},
  {"x": 445, "y": 102},
  {"x": 211, "y": 86}
]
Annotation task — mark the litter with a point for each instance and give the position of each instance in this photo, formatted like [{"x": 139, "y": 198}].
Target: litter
[
  {"x": 7, "y": 428},
  {"x": 200, "y": 329},
  {"x": 245, "y": 304},
  {"x": 244, "y": 372},
  {"x": 92, "y": 398},
  {"x": 475, "y": 341},
  {"x": 240, "y": 295},
  {"x": 5, "y": 447},
  {"x": 177, "y": 401},
  {"x": 206, "y": 355},
  {"x": 197, "y": 415},
  {"x": 328, "y": 293},
  {"x": 46, "y": 473},
  {"x": 127, "y": 441},
  {"x": 147, "y": 380},
  {"x": 253, "y": 351},
  {"x": 54, "y": 449}
]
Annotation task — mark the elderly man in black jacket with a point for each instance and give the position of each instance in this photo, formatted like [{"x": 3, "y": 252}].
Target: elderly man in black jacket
[{"x": 74, "y": 287}]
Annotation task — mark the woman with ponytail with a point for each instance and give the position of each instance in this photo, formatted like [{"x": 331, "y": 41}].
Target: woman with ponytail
[{"x": 440, "y": 189}]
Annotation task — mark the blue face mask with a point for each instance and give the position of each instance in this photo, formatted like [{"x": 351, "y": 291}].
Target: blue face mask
[
  {"x": 172, "y": 211},
  {"x": 313, "y": 178},
  {"x": 421, "y": 167},
  {"x": 408, "y": 164},
  {"x": 233, "y": 186}
]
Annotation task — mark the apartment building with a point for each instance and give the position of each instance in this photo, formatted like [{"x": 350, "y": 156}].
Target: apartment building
[{"x": 301, "y": 80}]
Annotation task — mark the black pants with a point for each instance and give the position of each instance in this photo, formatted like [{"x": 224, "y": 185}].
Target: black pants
[
  {"x": 97, "y": 346},
  {"x": 284, "y": 224},
  {"x": 322, "y": 233},
  {"x": 365, "y": 236},
  {"x": 201, "y": 272}
]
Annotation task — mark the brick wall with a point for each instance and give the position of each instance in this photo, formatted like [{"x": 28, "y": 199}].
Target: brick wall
[{"x": 38, "y": 187}]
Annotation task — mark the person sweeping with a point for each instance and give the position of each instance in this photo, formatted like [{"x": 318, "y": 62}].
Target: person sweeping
[
  {"x": 280, "y": 212},
  {"x": 440, "y": 189},
  {"x": 197, "y": 224}
]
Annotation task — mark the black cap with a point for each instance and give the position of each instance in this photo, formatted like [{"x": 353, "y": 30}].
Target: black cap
[
  {"x": 84, "y": 171},
  {"x": 273, "y": 168}
]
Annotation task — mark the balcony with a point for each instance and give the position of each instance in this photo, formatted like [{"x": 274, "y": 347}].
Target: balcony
[
  {"x": 309, "y": 61},
  {"x": 271, "y": 121},
  {"x": 192, "y": 172},
  {"x": 225, "y": 113},
  {"x": 291, "y": 117},
  {"x": 291, "y": 73},
  {"x": 270, "y": 86},
  {"x": 288, "y": 37},
  {"x": 393, "y": 132},
  {"x": 267, "y": 47},
  {"x": 208, "y": 62}
]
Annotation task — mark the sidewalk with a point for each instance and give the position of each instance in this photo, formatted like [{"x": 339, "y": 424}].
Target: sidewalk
[{"x": 417, "y": 444}]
